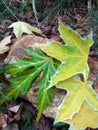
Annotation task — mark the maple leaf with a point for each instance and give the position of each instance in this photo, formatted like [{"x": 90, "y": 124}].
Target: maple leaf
[
  {"x": 3, "y": 44},
  {"x": 86, "y": 117},
  {"x": 22, "y": 27},
  {"x": 77, "y": 92},
  {"x": 73, "y": 56},
  {"x": 22, "y": 77}
]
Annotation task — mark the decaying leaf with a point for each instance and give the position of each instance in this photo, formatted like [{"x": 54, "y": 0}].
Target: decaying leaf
[
  {"x": 3, "y": 121},
  {"x": 73, "y": 55},
  {"x": 22, "y": 77},
  {"x": 3, "y": 44},
  {"x": 77, "y": 92},
  {"x": 86, "y": 117},
  {"x": 27, "y": 40},
  {"x": 22, "y": 27}
]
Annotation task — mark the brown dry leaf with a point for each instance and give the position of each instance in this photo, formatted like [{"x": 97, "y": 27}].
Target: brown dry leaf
[
  {"x": 55, "y": 102},
  {"x": 25, "y": 42},
  {"x": 3, "y": 43},
  {"x": 3, "y": 122},
  {"x": 93, "y": 64}
]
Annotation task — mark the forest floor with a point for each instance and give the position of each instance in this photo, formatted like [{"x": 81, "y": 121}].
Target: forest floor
[{"x": 77, "y": 17}]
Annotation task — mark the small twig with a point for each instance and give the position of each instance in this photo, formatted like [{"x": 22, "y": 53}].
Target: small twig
[
  {"x": 89, "y": 5},
  {"x": 3, "y": 12},
  {"x": 10, "y": 10},
  {"x": 35, "y": 12}
]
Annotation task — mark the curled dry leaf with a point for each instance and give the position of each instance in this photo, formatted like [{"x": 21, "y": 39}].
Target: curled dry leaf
[
  {"x": 22, "y": 27},
  {"x": 3, "y": 44}
]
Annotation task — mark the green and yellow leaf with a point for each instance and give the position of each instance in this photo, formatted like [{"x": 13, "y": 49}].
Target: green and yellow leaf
[
  {"x": 24, "y": 71},
  {"x": 86, "y": 117},
  {"x": 22, "y": 27},
  {"x": 73, "y": 55},
  {"x": 77, "y": 93}
]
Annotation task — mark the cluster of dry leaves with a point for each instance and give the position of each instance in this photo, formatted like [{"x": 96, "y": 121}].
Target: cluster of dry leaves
[{"x": 15, "y": 50}]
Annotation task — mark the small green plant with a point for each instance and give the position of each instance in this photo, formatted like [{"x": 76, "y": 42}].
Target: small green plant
[{"x": 58, "y": 65}]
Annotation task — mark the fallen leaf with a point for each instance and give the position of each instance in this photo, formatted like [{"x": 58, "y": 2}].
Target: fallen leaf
[
  {"x": 26, "y": 41},
  {"x": 22, "y": 27},
  {"x": 86, "y": 117},
  {"x": 3, "y": 122},
  {"x": 73, "y": 56},
  {"x": 77, "y": 92},
  {"x": 21, "y": 79},
  {"x": 3, "y": 44}
]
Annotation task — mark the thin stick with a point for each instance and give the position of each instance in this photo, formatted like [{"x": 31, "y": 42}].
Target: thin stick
[
  {"x": 35, "y": 12},
  {"x": 10, "y": 10}
]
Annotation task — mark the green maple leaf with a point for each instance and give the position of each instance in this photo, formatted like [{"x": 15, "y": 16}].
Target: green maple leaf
[
  {"x": 77, "y": 93},
  {"x": 73, "y": 55},
  {"x": 22, "y": 77}
]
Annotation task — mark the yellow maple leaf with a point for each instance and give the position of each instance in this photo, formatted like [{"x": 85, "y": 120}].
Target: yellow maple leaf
[
  {"x": 73, "y": 55},
  {"x": 22, "y": 27},
  {"x": 77, "y": 92},
  {"x": 86, "y": 117}
]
